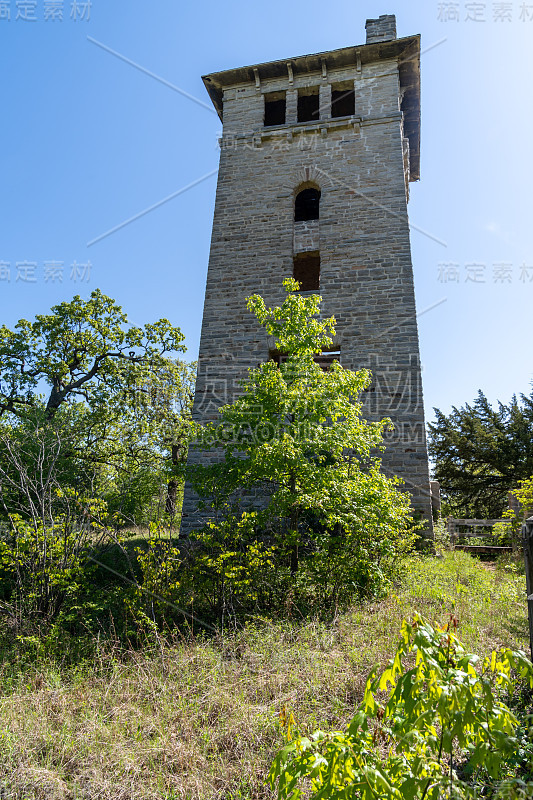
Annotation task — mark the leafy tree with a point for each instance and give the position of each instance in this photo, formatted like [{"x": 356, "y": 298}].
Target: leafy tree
[
  {"x": 82, "y": 350},
  {"x": 524, "y": 495},
  {"x": 511, "y": 530},
  {"x": 145, "y": 445},
  {"x": 50, "y": 529},
  {"x": 295, "y": 439},
  {"x": 481, "y": 454},
  {"x": 115, "y": 395},
  {"x": 443, "y": 731}
]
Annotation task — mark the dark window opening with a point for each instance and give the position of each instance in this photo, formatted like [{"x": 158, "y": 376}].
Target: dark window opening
[
  {"x": 275, "y": 107},
  {"x": 342, "y": 100},
  {"x": 279, "y": 358},
  {"x": 306, "y": 270},
  {"x": 324, "y": 359},
  {"x": 308, "y": 105},
  {"x": 307, "y": 205}
]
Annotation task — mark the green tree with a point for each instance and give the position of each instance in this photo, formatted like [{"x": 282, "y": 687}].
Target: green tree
[
  {"x": 144, "y": 447},
  {"x": 296, "y": 438},
  {"x": 481, "y": 453},
  {"x": 82, "y": 350},
  {"x": 114, "y": 393},
  {"x": 511, "y": 530},
  {"x": 48, "y": 530}
]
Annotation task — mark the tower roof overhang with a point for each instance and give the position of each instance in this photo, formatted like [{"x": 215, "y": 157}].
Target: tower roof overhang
[{"x": 406, "y": 51}]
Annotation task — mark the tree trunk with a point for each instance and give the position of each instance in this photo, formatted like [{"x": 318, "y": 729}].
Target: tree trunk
[
  {"x": 172, "y": 488},
  {"x": 294, "y": 559},
  {"x": 172, "y": 493},
  {"x": 293, "y": 522}
]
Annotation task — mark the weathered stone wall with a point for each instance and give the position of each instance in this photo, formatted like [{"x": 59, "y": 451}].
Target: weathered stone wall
[{"x": 366, "y": 276}]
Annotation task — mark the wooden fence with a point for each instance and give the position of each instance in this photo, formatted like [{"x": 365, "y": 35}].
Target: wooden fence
[{"x": 460, "y": 529}]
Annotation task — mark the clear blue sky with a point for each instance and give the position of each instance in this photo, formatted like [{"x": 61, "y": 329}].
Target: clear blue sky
[{"x": 89, "y": 141}]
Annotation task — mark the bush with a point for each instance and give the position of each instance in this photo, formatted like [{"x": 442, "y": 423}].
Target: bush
[{"x": 443, "y": 731}]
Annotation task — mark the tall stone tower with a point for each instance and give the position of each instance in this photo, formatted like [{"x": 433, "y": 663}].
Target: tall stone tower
[{"x": 317, "y": 153}]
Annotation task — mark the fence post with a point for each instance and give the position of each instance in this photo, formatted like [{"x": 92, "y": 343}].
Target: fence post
[
  {"x": 527, "y": 539},
  {"x": 451, "y": 531}
]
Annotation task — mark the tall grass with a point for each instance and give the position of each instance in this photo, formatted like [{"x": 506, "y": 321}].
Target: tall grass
[{"x": 197, "y": 718}]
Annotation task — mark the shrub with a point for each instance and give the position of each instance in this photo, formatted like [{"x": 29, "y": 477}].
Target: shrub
[{"x": 443, "y": 731}]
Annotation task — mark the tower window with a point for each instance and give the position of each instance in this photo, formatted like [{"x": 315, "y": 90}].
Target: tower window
[
  {"x": 307, "y": 205},
  {"x": 275, "y": 108},
  {"x": 324, "y": 359},
  {"x": 308, "y": 104},
  {"x": 306, "y": 270},
  {"x": 342, "y": 99}
]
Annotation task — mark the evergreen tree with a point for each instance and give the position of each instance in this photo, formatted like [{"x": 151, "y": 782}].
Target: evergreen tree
[{"x": 481, "y": 453}]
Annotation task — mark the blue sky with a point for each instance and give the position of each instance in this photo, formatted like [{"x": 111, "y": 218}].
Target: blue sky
[{"x": 90, "y": 141}]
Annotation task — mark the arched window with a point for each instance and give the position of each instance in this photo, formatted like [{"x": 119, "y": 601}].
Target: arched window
[{"x": 307, "y": 205}]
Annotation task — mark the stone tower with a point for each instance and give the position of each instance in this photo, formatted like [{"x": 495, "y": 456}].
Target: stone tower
[{"x": 317, "y": 153}]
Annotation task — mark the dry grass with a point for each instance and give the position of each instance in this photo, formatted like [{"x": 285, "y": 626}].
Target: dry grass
[{"x": 199, "y": 718}]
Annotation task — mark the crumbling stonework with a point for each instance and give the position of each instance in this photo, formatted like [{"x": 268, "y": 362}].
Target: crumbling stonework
[{"x": 361, "y": 164}]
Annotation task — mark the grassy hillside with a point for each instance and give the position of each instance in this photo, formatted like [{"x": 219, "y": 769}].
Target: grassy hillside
[{"x": 198, "y": 718}]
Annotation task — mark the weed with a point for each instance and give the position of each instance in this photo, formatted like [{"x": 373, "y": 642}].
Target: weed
[{"x": 198, "y": 717}]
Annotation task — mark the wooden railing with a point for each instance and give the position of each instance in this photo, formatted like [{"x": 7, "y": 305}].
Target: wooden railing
[{"x": 475, "y": 531}]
